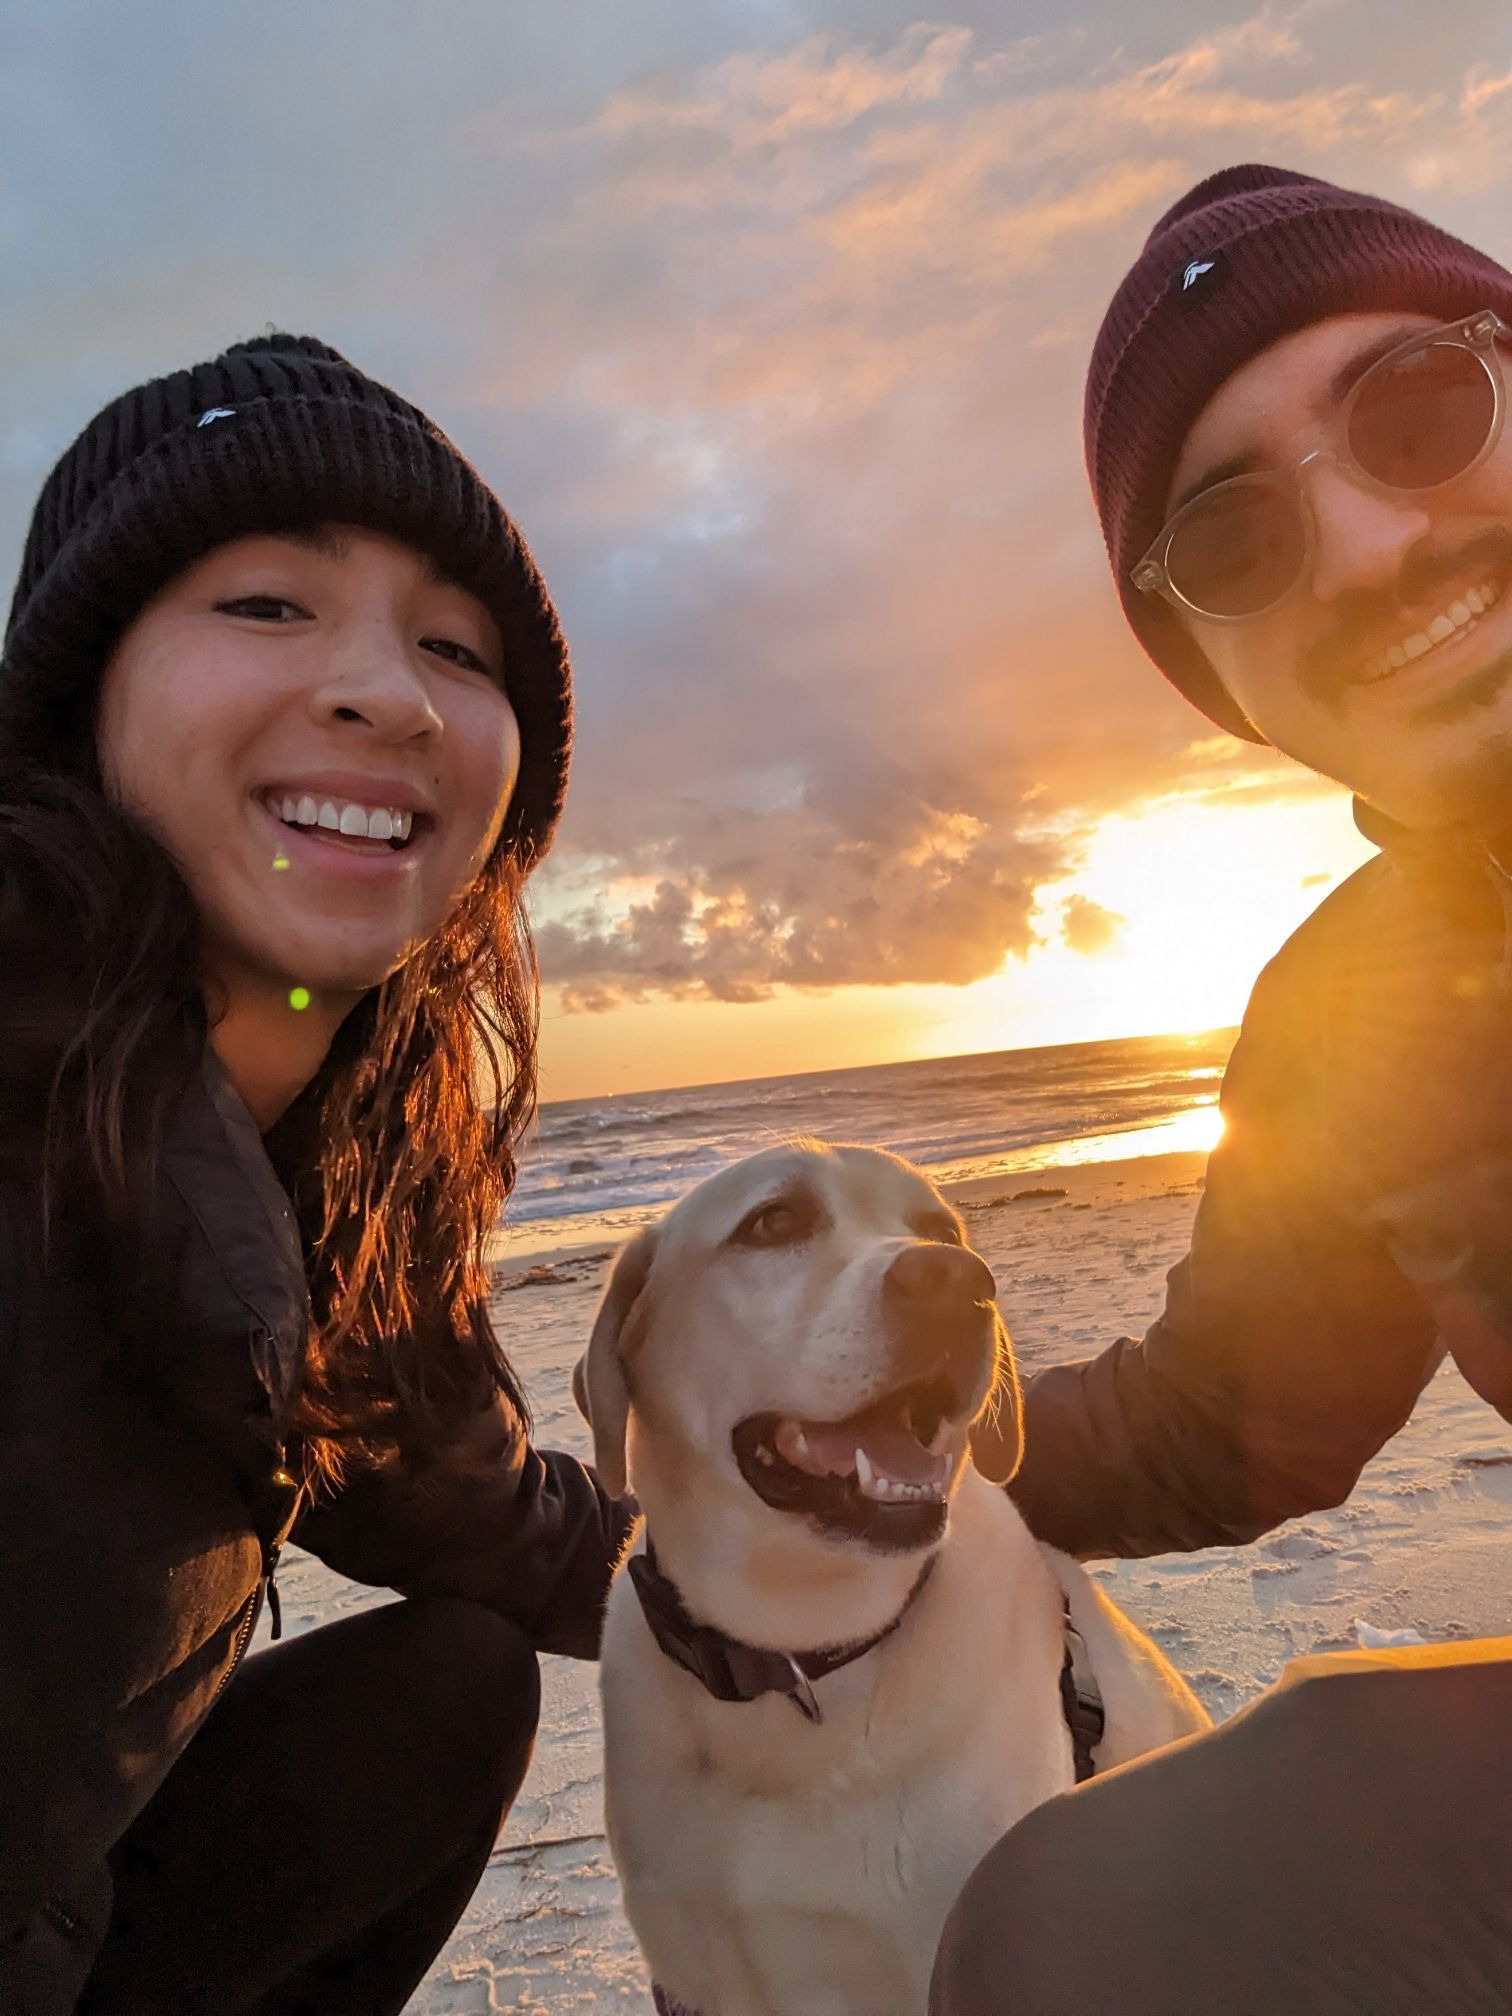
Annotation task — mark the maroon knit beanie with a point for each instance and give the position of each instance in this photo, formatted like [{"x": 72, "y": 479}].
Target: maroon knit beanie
[{"x": 1248, "y": 256}]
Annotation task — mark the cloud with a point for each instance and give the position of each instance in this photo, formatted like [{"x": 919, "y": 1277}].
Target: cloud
[
  {"x": 1469, "y": 151},
  {"x": 921, "y": 895},
  {"x": 753, "y": 100},
  {"x": 1088, "y": 928},
  {"x": 772, "y": 336}
]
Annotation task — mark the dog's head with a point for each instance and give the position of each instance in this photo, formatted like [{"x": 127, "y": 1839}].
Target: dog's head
[{"x": 809, "y": 1330}]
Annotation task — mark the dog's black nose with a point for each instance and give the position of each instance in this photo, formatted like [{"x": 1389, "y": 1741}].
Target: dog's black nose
[{"x": 932, "y": 1282}]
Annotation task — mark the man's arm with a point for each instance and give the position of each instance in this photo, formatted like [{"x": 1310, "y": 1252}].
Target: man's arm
[{"x": 1289, "y": 1350}]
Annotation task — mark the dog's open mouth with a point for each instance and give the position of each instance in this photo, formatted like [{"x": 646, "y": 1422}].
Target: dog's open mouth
[{"x": 882, "y": 1474}]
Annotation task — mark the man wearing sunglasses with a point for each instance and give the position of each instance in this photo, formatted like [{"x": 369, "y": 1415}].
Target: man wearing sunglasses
[{"x": 1295, "y": 435}]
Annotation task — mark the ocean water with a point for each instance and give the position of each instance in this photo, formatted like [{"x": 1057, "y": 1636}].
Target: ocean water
[{"x": 601, "y": 1167}]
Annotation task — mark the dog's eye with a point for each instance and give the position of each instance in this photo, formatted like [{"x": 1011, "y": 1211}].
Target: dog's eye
[
  {"x": 935, "y": 1225},
  {"x": 776, "y": 1224}
]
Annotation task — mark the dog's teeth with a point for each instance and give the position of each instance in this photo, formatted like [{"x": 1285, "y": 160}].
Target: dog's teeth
[
  {"x": 800, "y": 1443},
  {"x": 939, "y": 1441},
  {"x": 763, "y": 1454},
  {"x": 882, "y": 1489}
]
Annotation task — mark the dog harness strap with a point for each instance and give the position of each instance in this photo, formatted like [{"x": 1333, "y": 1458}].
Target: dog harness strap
[
  {"x": 728, "y": 1668},
  {"x": 1081, "y": 1699}
]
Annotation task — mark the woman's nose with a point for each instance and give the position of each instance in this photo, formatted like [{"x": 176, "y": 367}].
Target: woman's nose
[{"x": 371, "y": 677}]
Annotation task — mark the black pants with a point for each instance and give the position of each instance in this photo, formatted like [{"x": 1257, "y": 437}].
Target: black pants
[
  {"x": 314, "y": 1846},
  {"x": 1343, "y": 1848}
]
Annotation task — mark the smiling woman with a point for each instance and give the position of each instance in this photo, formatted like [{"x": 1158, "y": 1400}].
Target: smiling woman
[{"x": 284, "y": 724}]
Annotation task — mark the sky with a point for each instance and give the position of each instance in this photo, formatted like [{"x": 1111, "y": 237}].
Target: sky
[{"x": 768, "y": 322}]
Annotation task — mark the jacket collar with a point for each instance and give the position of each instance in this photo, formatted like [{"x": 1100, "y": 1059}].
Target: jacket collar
[
  {"x": 1405, "y": 843},
  {"x": 1487, "y": 855}
]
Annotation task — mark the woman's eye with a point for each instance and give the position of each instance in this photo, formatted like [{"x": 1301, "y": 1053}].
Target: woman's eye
[
  {"x": 457, "y": 654},
  {"x": 262, "y": 608}
]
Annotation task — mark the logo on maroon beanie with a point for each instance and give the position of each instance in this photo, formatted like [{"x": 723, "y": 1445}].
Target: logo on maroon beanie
[{"x": 1196, "y": 280}]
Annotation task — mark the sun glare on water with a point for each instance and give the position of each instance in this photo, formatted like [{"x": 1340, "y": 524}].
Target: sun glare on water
[
  {"x": 1201, "y": 1128},
  {"x": 1197, "y": 1131}
]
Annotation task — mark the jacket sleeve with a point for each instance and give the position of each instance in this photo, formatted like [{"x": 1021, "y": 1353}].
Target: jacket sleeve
[
  {"x": 1289, "y": 1350},
  {"x": 529, "y": 1533}
]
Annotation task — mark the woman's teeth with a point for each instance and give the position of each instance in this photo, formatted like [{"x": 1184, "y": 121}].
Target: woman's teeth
[
  {"x": 1448, "y": 623},
  {"x": 344, "y": 816}
]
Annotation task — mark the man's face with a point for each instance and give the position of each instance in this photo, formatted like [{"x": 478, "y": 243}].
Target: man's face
[{"x": 1428, "y": 741}]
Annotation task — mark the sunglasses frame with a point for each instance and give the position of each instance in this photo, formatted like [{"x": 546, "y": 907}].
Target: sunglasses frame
[{"x": 1478, "y": 333}]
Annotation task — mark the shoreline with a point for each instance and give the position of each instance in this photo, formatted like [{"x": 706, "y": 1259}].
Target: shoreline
[{"x": 1078, "y": 1184}]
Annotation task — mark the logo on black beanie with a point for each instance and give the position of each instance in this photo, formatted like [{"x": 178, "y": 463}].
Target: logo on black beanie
[{"x": 1197, "y": 279}]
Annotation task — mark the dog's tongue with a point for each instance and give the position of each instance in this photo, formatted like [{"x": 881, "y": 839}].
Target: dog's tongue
[{"x": 828, "y": 1449}]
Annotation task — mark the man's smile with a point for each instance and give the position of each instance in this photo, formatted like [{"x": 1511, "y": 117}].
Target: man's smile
[
  {"x": 1454, "y": 621},
  {"x": 1447, "y": 619}
]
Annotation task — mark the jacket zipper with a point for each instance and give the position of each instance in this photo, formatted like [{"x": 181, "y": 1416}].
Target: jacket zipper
[
  {"x": 266, "y": 1581},
  {"x": 60, "y": 1915},
  {"x": 275, "y": 1607},
  {"x": 243, "y": 1633},
  {"x": 274, "y": 1547}
]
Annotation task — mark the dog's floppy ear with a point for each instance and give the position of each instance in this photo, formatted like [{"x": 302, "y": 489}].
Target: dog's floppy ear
[
  {"x": 997, "y": 1434},
  {"x": 599, "y": 1385}
]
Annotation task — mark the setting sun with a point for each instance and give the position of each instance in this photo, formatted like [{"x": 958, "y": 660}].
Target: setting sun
[
  {"x": 1163, "y": 927},
  {"x": 1189, "y": 900}
]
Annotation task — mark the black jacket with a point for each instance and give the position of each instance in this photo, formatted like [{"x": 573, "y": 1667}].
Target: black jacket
[
  {"x": 141, "y": 1506},
  {"x": 1356, "y": 1225}
]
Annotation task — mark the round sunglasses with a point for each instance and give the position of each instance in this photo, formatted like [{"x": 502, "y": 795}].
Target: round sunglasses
[{"x": 1424, "y": 415}]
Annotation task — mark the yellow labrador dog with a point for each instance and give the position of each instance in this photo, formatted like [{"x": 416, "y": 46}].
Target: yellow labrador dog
[{"x": 836, "y": 1666}]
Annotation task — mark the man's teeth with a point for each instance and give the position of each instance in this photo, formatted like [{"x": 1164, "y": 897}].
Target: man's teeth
[
  {"x": 345, "y": 816},
  {"x": 1448, "y": 623}
]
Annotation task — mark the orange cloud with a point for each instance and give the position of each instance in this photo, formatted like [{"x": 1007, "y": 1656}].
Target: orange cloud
[{"x": 1088, "y": 928}]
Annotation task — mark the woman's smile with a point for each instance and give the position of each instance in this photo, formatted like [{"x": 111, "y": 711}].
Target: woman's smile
[{"x": 346, "y": 824}]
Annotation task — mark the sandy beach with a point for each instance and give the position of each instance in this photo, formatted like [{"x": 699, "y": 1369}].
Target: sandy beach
[{"x": 1080, "y": 1256}]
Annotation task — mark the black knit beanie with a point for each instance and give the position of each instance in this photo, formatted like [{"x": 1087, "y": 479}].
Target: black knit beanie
[
  {"x": 1247, "y": 256},
  {"x": 278, "y": 433}
]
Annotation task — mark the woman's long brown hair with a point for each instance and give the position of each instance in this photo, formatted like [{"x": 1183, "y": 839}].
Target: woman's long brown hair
[{"x": 398, "y": 1156}]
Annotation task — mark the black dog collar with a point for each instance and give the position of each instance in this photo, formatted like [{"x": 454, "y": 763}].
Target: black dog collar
[{"x": 732, "y": 1670}]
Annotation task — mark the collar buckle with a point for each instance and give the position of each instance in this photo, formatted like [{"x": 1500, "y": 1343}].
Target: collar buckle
[{"x": 803, "y": 1697}]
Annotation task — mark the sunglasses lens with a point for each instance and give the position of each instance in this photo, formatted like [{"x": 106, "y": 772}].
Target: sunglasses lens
[
  {"x": 1420, "y": 420},
  {"x": 1237, "y": 550}
]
